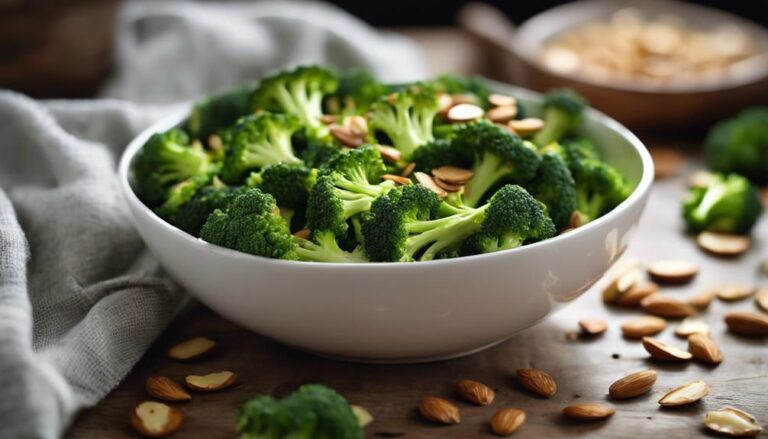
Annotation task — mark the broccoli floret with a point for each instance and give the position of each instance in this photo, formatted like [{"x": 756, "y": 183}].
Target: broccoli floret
[
  {"x": 362, "y": 165},
  {"x": 358, "y": 90},
  {"x": 554, "y": 186},
  {"x": 324, "y": 248},
  {"x": 191, "y": 215},
  {"x": 180, "y": 194},
  {"x": 513, "y": 218},
  {"x": 219, "y": 112},
  {"x": 730, "y": 204},
  {"x": 740, "y": 145},
  {"x": 440, "y": 152},
  {"x": 314, "y": 411},
  {"x": 251, "y": 224},
  {"x": 406, "y": 117},
  {"x": 165, "y": 160},
  {"x": 257, "y": 141},
  {"x": 318, "y": 154},
  {"x": 289, "y": 184},
  {"x": 599, "y": 188},
  {"x": 562, "y": 114},
  {"x": 299, "y": 92}
]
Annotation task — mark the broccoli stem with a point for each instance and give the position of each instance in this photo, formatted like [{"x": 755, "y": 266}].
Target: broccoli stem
[
  {"x": 488, "y": 169},
  {"x": 444, "y": 233},
  {"x": 326, "y": 249},
  {"x": 589, "y": 207},
  {"x": 182, "y": 162},
  {"x": 557, "y": 124},
  {"x": 711, "y": 197}
]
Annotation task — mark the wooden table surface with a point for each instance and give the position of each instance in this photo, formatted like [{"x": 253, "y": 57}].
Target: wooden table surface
[{"x": 583, "y": 368}]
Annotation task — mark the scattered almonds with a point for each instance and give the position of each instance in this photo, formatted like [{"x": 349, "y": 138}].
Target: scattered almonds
[
  {"x": 704, "y": 349},
  {"x": 593, "y": 326},
  {"x": 357, "y": 125},
  {"x": 723, "y": 244},
  {"x": 761, "y": 298},
  {"x": 364, "y": 417},
  {"x": 733, "y": 422},
  {"x": 408, "y": 170},
  {"x": 500, "y": 100},
  {"x": 527, "y": 126},
  {"x": 587, "y": 411},
  {"x": 166, "y": 389},
  {"x": 211, "y": 382},
  {"x": 452, "y": 174},
  {"x": 673, "y": 271},
  {"x": 191, "y": 349},
  {"x": 664, "y": 352},
  {"x": 155, "y": 419},
  {"x": 626, "y": 277},
  {"x": 426, "y": 180},
  {"x": 507, "y": 421},
  {"x": 448, "y": 187},
  {"x": 666, "y": 161},
  {"x": 537, "y": 381},
  {"x": 747, "y": 323},
  {"x": 665, "y": 306},
  {"x": 475, "y": 392},
  {"x": 634, "y": 384},
  {"x": 637, "y": 293},
  {"x": 439, "y": 410},
  {"x": 702, "y": 300},
  {"x": 502, "y": 114},
  {"x": 390, "y": 154},
  {"x": 345, "y": 136},
  {"x": 643, "y": 326},
  {"x": 732, "y": 293},
  {"x": 464, "y": 113},
  {"x": 692, "y": 325},
  {"x": 396, "y": 178},
  {"x": 303, "y": 233},
  {"x": 685, "y": 394}
]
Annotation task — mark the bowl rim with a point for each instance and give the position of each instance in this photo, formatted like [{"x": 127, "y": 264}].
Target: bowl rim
[
  {"x": 758, "y": 64},
  {"x": 176, "y": 116}
]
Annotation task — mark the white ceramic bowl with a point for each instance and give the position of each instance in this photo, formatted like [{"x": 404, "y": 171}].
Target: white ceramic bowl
[{"x": 403, "y": 312}]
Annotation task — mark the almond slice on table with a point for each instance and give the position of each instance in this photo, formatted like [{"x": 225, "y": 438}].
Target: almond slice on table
[
  {"x": 408, "y": 170},
  {"x": 747, "y": 323},
  {"x": 527, "y": 126},
  {"x": 426, "y": 180},
  {"x": 723, "y": 244},
  {"x": 732, "y": 293},
  {"x": 166, "y": 389},
  {"x": 537, "y": 381},
  {"x": 502, "y": 114},
  {"x": 625, "y": 278},
  {"x": 500, "y": 100},
  {"x": 390, "y": 154},
  {"x": 692, "y": 325},
  {"x": 396, "y": 178},
  {"x": 685, "y": 394},
  {"x": 732, "y": 422},
  {"x": 702, "y": 300},
  {"x": 593, "y": 326},
  {"x": 211, "y": 382},
  {"x": 637, "y": 293},
  {"x": 475, "y": 392},
  {"x": 664, "y": 352},
  {"x": 364, "y": 417},
  {"x": 701, "y": 179},
  {"x": 507, "y": 421},
  {"x": 191, "y": 349},
  {"x": 452, "y": 174},
  {"x": 588, "y": 411},
  {"x": 704, "y": 349},
  {"x": 665, "y": 306},
  {"x": 634, "y": 384},
  {"x": 666, "y": 161},
  {"x": 464, "y": 113},
  {"x": 673, "y": 271},
  {"x": 448, "y": 187},
  {"x": 345, "y": 136},
  {"x": 761, "y": 298},
  {"x": 640, "y": 327},
  {"x": 439, "y": 410},
  {"x": 155, "y": 419}
]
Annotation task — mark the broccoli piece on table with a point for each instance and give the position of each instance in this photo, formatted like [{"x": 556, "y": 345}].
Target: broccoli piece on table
[
  {"x": 214, "y": 114},
  {"x": 554, "y": 186},
  {"x": 406, "y": 117},
  {"x": 251, "y": 224},
  {"x": 299, "y": 92},
  {"x": 324, "y": 248},
  {"x": 563, "y": 109},
  {"x": 165, "y": 160},
  {"x": 289, "y": 184},
  {"x": 729, "y": 204},
  {"x": 358, "y": 90},
  {"x": 599, "y": 188},
  {"x": 513, "y": 218},
  {"x": 257, "y": 141},
  {"x": 314, "y": 411},
  {"x": 740, "y": 145}
]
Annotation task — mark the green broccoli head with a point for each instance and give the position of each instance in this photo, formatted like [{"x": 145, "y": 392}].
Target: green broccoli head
[
  {"x": 563, "y": 109},
  {"x": 257, "y": 141},
  {"x": 406, "y": 117},
  {"x": 318, "y": 154},
  {"x": 312, "y": 412},
  {"x": 599, "y": 188},
  {"x": 740, "y": 145},
  {"x": 440, "y": 152},
  {"x": 554, "y": 186},
  {"x": 513, "y": 218},
  {"x": 214, "y": 114},
  {"x": 165, "y": 160},
  {"x": 299, "y": 92},
  {"x": 730, "y": 204},
  {"x": 251, "y": 224},
  {"x": 191, "y": 215},
  {"x": 362, "y": 165},
  {"x": 324, "y": 248},
  {"x": 180, "y": 194},
  {"x": 358, "y": 90},
  {"x": 289, "y": 184}
]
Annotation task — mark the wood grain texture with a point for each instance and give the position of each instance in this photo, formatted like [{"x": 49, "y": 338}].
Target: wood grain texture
[{"x": 584, "y": 368}]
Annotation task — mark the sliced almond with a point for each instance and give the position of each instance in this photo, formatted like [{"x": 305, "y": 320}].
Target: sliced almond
[
  {"x": 732, "y": 293},
  {"x": 733, "y": 422},
  {"x": 665, "y": 306},
  {"x": 464, "y": 113},
  {"x": 747, "y": 323},
  {"x": 588, "y": 411},
  {"x": 426, "y": 180},
  {"x": 593, "y": 326},
  {"x": 761, "y": 298},
  {"x": 396, "y": 178},
  {"x": 634, "y": 384},
  {"x": 357, "y": 125},
  {"x": 166, "y": 389},
  {"x": 640, "y": 327},
  {"x": 685, "y": 394},
  {"x": 439, "y": 410},
  {"x": 667, "y": 162},
  {"x": 537, "y": 381},
  {"x": 702, "y": 300},
  {"x": 389, "y": 154},
  {"x": 673, "y": 271},
  {"x": 527, "y": 126},
  {"x": 576, "y": 220},
  {"x": 303, "y": 233},
  {"x": 507, "y": 421},
  {"x": 704, "y": 349},
  {"x": 444, "y": 103},
  {"x": 626, "y": 277},
  {"x": 328, "y": 119},
  {"x": 364, "y": 417},
  {"x": 448, "y": 187},
  {"x": 664, "y": 352},
  {"x": 215, "y": 143},
  {"x": 345, "y": 136},
  {"x": 475, "y": 392},
  {"x": 155, "y": 419},
  {"x": 191, "y": 349},
  {"x": 701, "y": 179},
  {"x": 211, "y": 382},
  {"x": 502, "y": 114},
  {"x": 408, "y": 170},
  {"x": 452, "y": 174},
  {"x": 723, "y": 244},
  {"x": 637, "y": 293},
  {"x": 465, "y": 98},
  {"x": 692, "y": 325},
  {"x": 500, "y": 100}
]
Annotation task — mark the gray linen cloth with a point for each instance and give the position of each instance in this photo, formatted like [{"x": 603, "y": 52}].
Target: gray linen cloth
[{"x": 80, "y": 297}]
